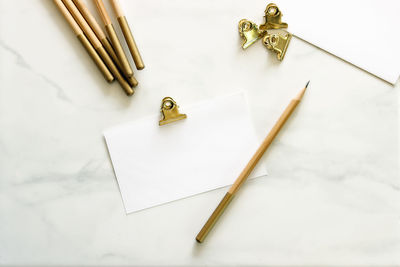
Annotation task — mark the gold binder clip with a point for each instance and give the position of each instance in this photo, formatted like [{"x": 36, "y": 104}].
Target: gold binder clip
[
  {"x": 273, "y": 18},
  {"x": 249, "y": 32},
  {"x": 277, "y": 43},
  {"x": 273, "y": 40},
  {"x": 170, "y": 111}
]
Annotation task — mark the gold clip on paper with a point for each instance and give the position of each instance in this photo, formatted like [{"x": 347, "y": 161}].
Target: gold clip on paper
[
  {"x": 277, "y": 43},
  {"x": 273, "y": 18},
  {"x": 170, "y": 111},
  {"x": 249, "y": 32}
]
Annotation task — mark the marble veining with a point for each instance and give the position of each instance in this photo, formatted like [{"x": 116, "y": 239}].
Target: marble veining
[{"x": 20, "y": 61}]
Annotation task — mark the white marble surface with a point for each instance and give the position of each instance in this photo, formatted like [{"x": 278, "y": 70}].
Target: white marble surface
[{"x": 332, "y": 196}]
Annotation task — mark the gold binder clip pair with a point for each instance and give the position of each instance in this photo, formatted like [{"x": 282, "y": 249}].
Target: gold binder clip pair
[
  {"x": 274, "y": 38},
  {"x": 170, "y": 112}
]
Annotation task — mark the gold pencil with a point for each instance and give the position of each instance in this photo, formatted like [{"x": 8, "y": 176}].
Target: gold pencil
[
  {"x": 123, "y": 23},
  {"x": 114, "y": 38},
  {"x": 97, "y": 45},
  {"x": 103, "y": 38},
  {"x": 85, "y": 42},
  {"x": 249, "y": 167}
]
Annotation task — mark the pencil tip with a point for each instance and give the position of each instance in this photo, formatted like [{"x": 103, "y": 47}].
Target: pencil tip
[{"x": 300, "y": 95}]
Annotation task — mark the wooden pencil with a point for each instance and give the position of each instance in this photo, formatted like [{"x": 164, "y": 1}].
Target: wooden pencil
[
  {"x": 103, "y": 38},
  {"x": 85, "y": 42},
  {"x": 98, "y": 46},
  {"x": 114, "y": 38},
  {"x": 123, "y": 23},
  {"x": 249, "y": 167}
]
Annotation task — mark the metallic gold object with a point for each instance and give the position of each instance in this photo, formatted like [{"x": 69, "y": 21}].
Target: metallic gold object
[
  {"x": 114, "y": 70},
  {"x": 123, "y": 23},
  {"x": 277, "y": 43},
  {"x": 214, "y": 217},
  {"x": 131, "y": 42},
  {"x": 118, "y": 56},
  {"x": 170, "y": 111},
  {"x": 249, "y": 32},
  {"x": 110, "y": 50},
  {"x": 119, "y": 51},
  {"x": 274, "y": 41},
  {"x": 132, "y": 81},
  {"x": 273, "y": 18},
  {"x": 99, "y": 62}
]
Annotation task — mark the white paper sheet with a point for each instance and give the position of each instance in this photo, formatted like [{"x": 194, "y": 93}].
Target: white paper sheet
[
  {"x": 208, "y": 150},
  {"x": 365, "y": 33}
]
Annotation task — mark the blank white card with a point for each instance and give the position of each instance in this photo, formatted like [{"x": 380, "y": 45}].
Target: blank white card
[{"x": 158, "y": 164}]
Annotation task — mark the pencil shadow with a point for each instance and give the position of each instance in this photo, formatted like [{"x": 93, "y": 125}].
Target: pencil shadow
[{"x": 68, "y": 36}]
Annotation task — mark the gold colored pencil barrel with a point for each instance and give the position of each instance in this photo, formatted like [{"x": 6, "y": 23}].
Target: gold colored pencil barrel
[
  {"x": 110, "y": 50},
  {"x": 132, "y": 81},
  {"x": 119, "y": 51},
  {"x": 118, "y": 54},
  {"x": 214, "y": 217},
  {"x": 114, "y": 70},
  {"x": 127, "y": 34},
  {"x": 131, "y": 42},
  {"x": 96, "y": 58}
]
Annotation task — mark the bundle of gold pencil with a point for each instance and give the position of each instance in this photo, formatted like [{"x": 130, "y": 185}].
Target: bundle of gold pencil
[{"x": 109, "y": 57}]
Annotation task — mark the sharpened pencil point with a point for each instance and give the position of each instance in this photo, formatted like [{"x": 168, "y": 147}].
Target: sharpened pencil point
[
  {"x": 300, "y": 95},
  {"x": 307, "y": 84}
]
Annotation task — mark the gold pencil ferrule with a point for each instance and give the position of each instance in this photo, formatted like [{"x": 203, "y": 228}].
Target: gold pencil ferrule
[
  {"x": 96, "y": 58},
  {"x": 131, "y": 42},
  {"x": 214, "y": 217},
  {"x": 114, "y": 70},
  {"x": 119, "y": 51}
]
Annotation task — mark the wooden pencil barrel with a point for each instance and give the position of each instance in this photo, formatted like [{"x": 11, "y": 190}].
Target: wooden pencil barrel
[
  {"x": 83, "y": 39},
  {"x": 264, "y": 146},
  {"x": 89, "y": 18}
]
